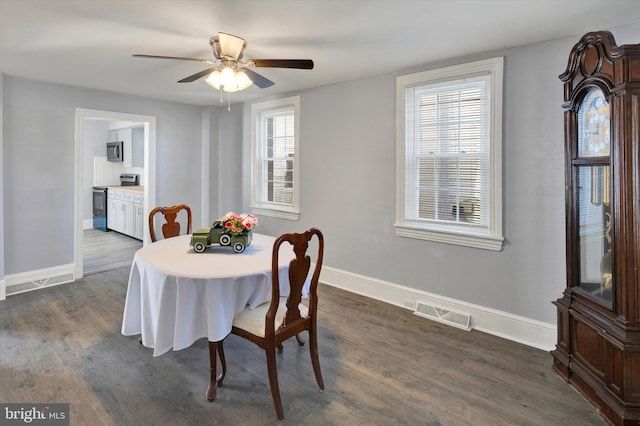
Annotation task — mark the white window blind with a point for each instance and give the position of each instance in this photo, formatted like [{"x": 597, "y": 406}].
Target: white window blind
[
  {"x": 447, "y": 150},
  {"x": 449, "y": 155},
  {"x": 277, "y": 162}
]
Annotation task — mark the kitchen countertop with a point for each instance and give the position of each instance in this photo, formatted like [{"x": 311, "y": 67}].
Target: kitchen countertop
[{"x": 137, "y": 188}]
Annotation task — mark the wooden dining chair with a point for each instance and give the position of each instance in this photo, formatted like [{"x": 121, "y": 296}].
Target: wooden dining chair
[
  {"x": 171, "y": 228},
  {"x": 281, "y": 318}
]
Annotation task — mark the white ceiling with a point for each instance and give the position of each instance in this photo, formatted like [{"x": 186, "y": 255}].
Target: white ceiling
[{"x": 89, "y": 43}]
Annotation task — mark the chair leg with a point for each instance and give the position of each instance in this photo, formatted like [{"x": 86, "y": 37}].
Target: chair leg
[
  {"x": 273, "y": 381},
  {"x": 315, "y": 361},
  {"x": 223, "y": 363}
]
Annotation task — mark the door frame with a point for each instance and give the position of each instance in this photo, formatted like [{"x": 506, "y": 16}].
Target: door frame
[{"x": 81, "y": 115}]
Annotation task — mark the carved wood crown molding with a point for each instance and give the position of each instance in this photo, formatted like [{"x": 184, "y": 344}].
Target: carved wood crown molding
[
  {"x": 591, "y": 59},
  {"x": 596, "y": 60}
]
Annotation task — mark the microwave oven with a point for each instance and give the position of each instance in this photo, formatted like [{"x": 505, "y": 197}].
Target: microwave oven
[{"x": 114, "y": 151}]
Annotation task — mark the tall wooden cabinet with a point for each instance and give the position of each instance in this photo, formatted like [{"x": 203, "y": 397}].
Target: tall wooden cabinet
[{"x": 598, "y": 349}]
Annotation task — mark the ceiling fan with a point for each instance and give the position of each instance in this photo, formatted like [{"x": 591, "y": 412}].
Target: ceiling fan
[{"x": 230, "y": 73}]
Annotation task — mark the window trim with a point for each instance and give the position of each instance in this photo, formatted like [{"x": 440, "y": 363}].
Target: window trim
[
  {"x": 265, "y": 208},
  {"x": 492, "y": 238}
]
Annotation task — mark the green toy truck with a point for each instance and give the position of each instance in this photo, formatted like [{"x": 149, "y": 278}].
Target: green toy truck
[{"x": 205, "y": 237}]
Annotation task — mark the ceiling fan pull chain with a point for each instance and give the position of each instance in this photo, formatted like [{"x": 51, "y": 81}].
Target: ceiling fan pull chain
[
  {"x": 220, "y": 91},
  {"x": 228, "y": 101}
]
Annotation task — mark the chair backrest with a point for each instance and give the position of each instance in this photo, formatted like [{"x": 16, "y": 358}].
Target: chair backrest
[
  {"x": 298, "y": 272},
  {"x": 171, "y": 228}
]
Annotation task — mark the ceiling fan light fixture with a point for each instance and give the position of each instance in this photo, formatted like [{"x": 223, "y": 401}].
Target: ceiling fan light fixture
[
  {"x": 227, "y": 76},
  {"x": 224, "y": 75},
  {"x": 242, "y": 80},
  {"x": 214, "y": 80},
  {"x": 229, "y": 80},
  {"x": 230, "y": 88}
]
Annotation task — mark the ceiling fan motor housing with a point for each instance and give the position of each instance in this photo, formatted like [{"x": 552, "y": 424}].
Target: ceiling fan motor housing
[{"x": 233, "y": 46}]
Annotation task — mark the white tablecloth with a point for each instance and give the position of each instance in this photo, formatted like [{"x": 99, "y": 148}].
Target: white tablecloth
[{"x": 176, "y": 296}]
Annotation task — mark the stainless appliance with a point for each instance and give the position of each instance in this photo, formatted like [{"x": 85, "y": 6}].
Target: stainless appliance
[
  {"x": 114, "y": 151},
  {"x": 129, "y": 179},
  {"x": 100, "y": 208}
]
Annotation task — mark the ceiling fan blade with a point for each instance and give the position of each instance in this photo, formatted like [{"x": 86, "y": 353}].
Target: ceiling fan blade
[
  {"x": 304, "y": 64},
  {"x": 197, "y": 75},
  {"x": 258, "y": 80},
  {"x": 204, "y": 61},
  {"x": 231, "y": 46}
]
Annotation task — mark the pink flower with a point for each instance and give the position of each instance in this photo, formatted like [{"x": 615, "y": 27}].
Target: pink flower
[{"x": 235, "y": 224}]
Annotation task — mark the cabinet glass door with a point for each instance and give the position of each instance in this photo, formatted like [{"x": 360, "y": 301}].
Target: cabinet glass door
[
  {"x": 594, "y": 196},
  {"x": 594, "y": 220}
]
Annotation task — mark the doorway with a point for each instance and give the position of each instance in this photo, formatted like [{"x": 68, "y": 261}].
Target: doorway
[{"x": 81, "y": 199}]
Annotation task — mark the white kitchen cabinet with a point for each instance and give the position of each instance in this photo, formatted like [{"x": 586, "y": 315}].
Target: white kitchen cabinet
[
  {"x": 113, "y": 207},
  {"x": 117, "y": 212},
  {"x": 137, "y": 146},
  {"x": 138, "y": 213},
  {"x": 125, "y": 212}
]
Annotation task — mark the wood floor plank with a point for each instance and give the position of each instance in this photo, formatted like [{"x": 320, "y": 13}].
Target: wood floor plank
[
  {"x": 103, "y": 251},
  {"x": 381, "y": 366}
]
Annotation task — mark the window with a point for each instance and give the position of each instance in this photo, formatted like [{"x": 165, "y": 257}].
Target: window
[
  {"x": 449, "y": 157},
  {"x": 275, "y": 184}
]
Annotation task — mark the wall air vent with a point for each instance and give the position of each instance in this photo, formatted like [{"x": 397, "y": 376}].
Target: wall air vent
[{"x": 456, "y": 319}]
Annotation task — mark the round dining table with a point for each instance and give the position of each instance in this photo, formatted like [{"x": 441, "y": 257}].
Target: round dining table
[{"x": 176, "y": 296}]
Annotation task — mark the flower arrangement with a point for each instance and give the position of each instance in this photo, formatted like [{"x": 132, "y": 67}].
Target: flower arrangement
[{"x": 236, "y": 224}]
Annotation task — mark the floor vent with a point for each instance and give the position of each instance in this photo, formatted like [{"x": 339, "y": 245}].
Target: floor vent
[{"x": 456, "y": 319}]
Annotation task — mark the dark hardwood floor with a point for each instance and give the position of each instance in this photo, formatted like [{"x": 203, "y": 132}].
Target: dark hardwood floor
[{"x": 381, "y": 365}]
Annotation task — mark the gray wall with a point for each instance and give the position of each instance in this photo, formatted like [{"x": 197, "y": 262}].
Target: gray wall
[
  {"x": 347, "y": 157},
  {"x": 38, "y": 164},
  {"x": 232, "y": 162}
]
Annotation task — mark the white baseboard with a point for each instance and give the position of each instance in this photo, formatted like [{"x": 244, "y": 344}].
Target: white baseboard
[
  {"x": 33, "y": 280},
  {"x": 87, "y": 224},
  {"x": 519, "y": 329},
  {"x": 3, "y": 289}
]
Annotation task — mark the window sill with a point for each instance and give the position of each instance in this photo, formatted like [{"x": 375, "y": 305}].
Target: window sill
[
  {"x": 486, "y": 242},
  {"x": 274, "y": 212}
]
